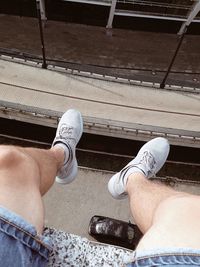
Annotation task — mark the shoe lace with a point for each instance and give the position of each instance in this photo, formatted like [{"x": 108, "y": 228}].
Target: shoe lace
[
  {"x": 148, "y": 161},
  {"x": 65, "y": 131}
]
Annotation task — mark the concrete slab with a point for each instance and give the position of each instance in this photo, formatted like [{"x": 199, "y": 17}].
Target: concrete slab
[
  {"x": 97, "y": 98},
  {"x": 71, "y": 207}
]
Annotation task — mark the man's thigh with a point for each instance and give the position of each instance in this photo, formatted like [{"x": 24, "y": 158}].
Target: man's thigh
[{"x": 176, "y": 224}]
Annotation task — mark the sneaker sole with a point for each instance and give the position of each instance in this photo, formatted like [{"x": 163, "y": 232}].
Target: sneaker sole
[{"x": 111, "y": 188}]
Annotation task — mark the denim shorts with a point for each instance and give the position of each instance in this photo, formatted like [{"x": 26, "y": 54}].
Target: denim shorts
[
  {"x": 171, "y": 257},
  {"x": 20, "y": 246}
]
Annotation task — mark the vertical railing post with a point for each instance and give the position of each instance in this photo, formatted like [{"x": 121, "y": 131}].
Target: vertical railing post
[
  {"x": 111, "y": 15},
  {"x": 44, "y": 65},
  {"x": 42, "y": 10},
  {"x": 162, "y": 85}
]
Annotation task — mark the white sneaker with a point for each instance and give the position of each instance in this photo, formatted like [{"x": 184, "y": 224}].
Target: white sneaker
[
  {"x": 68, "y": 134},
  {"x": 148, "y": 161}
]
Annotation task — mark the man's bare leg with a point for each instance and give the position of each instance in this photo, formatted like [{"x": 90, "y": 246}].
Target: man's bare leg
[
  {"x": 138, "y": 187},
  {"x": 166, "y": 217},
  {"x": 26, "y": 174}
]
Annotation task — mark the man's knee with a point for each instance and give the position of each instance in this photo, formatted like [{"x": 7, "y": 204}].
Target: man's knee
[
  {"x": 10, "y": 156},
  {"x": 17, "y": 165}
]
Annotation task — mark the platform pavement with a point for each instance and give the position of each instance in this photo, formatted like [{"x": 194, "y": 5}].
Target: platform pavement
[
  {"x": 70, "y": 207},
  {"x": 33, "y": 86}
]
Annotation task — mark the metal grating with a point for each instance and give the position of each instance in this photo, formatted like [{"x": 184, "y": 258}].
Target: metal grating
[{"x": 160, "y": 8}]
